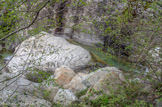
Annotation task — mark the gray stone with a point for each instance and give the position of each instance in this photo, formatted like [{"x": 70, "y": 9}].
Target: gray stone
[{"x": 64, "y": 97}]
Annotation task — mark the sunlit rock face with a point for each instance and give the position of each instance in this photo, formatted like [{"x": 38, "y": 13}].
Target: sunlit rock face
[
  {"x": 47, "y": 52},
  {"x": 85, "y": 21}
]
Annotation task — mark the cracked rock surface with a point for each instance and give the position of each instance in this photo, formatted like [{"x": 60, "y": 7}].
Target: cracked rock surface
[
  {"x": 17, "y": 91},
  {"x": 47, "y": 52}
]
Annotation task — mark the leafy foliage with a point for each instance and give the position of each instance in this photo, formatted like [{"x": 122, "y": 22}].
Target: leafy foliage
[
  {"x": 37, "y": 75},
  {"x": 128, "y": 95}
]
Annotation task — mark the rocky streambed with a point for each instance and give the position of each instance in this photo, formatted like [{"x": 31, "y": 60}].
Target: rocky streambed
[{"x": 48, "y": 70}]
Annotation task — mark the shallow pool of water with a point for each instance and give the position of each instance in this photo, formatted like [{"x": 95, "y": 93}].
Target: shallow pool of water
[{"x": 4, "y": 55}]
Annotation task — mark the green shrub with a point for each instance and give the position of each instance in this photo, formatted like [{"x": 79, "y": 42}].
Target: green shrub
[
  {"x": 37, "y": 75},
  {"x": 129, "y": 95},
  {"x": 81, "y": 93}
]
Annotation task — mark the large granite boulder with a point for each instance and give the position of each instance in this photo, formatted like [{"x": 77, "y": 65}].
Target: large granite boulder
[{"x": 47, "y": 52}]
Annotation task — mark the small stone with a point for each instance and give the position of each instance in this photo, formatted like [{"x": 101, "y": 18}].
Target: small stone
[{"x": 64, "y": 97}]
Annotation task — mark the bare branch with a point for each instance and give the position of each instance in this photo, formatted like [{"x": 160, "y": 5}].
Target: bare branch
[{"x": 37, "y": 13}]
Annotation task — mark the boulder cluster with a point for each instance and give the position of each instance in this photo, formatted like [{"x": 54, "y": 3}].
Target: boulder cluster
[{"x": 59, "y": 58}]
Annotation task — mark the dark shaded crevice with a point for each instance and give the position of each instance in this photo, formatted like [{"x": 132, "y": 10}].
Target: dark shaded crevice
[
  {"x": 76, "y": 18},
  {"x": 60, "y": 17}
]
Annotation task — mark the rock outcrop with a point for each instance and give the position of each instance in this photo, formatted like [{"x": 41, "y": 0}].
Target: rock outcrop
[
  {"x": 85, "y": 21},
  {"x": 80, "y": 21}
]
